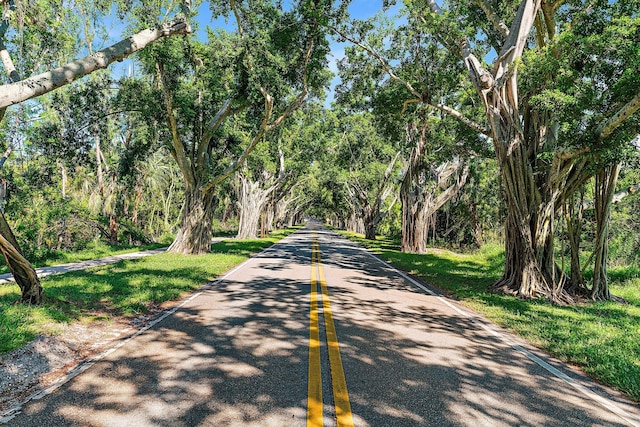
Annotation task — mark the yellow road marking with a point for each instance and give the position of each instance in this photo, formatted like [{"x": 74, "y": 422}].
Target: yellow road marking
[
  {"x": 314, "y": 399},
  {"x": 344, "y": 417}
]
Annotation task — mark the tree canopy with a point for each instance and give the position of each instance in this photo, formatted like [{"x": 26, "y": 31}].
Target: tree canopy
[{"x": 453, "y": 122}]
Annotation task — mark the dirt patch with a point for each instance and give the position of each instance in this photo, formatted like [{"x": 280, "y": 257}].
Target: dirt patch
[{"x": 47, "y": 359}]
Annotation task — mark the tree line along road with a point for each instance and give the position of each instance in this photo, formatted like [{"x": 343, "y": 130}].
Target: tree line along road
[{"x": 317, "y": 332}]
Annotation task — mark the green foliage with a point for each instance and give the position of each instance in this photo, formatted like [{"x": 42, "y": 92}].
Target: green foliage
[
  {"x": 76, "y": 115},
  {"x": 585, "y": 76},
  {"x": 624, "y": 228}
]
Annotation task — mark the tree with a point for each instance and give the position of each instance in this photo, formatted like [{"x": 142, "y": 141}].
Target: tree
[
  {"x": 257, "y": 180},
  {"x": 370, "y": 168},
  {"x": 551, "y": 107},
  {"x": 402, "y": 82},
  {"x": 275, "y": 168},
  {"x": 20, "y": 90},
  {"x": 259, "y": 75}
]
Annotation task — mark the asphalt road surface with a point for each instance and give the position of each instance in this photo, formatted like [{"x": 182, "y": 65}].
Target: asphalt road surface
[{"x": 315, "y": 331}]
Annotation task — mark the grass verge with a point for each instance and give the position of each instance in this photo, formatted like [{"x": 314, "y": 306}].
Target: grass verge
[
  {"x": 600, "y": 337},
  {"x": 126, "y": 288}
]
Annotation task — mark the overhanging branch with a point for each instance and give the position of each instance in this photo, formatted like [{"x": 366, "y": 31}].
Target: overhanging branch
[
  {"x": 32, "y": 87},
  {"x": 608, "y": 127},
  {"x": 493, "y": 17},
  {"x": 419, "y": 97}
]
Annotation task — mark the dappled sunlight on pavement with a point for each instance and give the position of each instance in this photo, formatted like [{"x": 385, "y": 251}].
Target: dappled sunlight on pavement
[{"x": 237, "y": 355}]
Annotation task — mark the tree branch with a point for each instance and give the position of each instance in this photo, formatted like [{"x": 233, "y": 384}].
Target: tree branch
[
  {"x": 453, "y": 189},
  {"x": 419, "y": 97},
  {"x": 7, "y": 62},
  {"x": 608, "y": 127},
  {"x": 383, "y": 187},
  {"x": 268, "y": 109},
  {"x": 495, "y": 20},
  {"x": 178, "y": 152},
  {"x": 302, "y": 95},
  {"x": 459, "y": 116},
  {"x": 225, "y": 111},
  {"x": 518, "y": 34},
  {"x": 385, "y": 66},
  {"x": 32, "y": 87}
]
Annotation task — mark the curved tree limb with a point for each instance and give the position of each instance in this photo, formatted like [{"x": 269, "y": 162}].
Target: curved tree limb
[
  {"x": 268, "y": 109},
  {"x": 608, "y": 127},
  {"x": 32, "y": 87},
  {"x": 459, "y": 116},
  {"x": 493, "y": 17},
  {"x": 178, "y": 149},
  {"x": 210, "y": 128}
]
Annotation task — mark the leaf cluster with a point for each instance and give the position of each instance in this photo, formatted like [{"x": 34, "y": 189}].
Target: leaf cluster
[{"x": 586, "y": 75}]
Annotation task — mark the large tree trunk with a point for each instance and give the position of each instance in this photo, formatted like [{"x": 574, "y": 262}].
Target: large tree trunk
[
  {"x": 194, "y": 235},
  {"x": 23, "y": 273},
  {"x": 369, "y": 205},
  {"x": 355, "y": 224},
  {"x": 606, "y": 180},
  {"x": 283, "y": 212},
  {"x": 530, "y": 269},
  {"x": 294, "y": 219},
  {"x": 251, "y": 201},
  {"x": 371, "y": 221},
  {"x": 267, "y": 219},
  {"x": 414, "y": 220},
  {"x": 533, "y": 196},
  {"x": 418, "y": 193}
]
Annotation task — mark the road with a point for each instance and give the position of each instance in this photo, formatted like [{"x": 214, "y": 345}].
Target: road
[{"x": 315, "y": 331}]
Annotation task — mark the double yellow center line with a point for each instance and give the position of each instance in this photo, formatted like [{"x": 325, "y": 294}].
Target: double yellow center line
[{"x": 344, "y": 417}]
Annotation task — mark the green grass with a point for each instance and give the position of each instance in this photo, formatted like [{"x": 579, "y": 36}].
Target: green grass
[
  {"x": 600, "y": 337},
  {"x": 126, "y": 288}
]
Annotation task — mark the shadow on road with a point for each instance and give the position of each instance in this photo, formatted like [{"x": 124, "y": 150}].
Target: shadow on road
[{"x": 237, "y": 355}]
